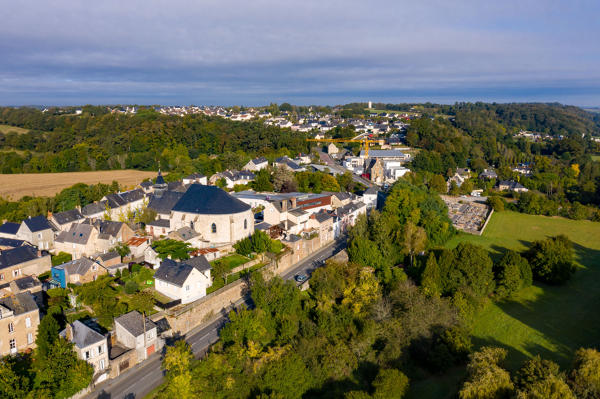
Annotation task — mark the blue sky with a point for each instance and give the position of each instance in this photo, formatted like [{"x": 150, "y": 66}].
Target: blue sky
[{"x": 306, "y": 52}]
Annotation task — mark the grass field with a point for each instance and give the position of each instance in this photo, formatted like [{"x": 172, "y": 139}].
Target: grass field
[
  {"x": 550, "y": 321},
  {"x": 7, "y": 129},
  {"x": 596, "y": 158},
  {"x": 546, "y": 320},
  {"x": 15, "y": 186}
]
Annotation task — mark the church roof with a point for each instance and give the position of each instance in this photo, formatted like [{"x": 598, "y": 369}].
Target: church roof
[{"x": 209, "y": 200}]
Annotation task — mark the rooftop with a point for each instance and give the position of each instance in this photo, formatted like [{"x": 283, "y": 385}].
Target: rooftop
[
  {"x": 209, "y": 200},
  {"x": 133, "y": 323}
]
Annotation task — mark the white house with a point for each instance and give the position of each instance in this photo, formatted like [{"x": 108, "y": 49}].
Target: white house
[
  {"x": 256, "y": 164},
  {"x": 187, "y": 280},
  {"x": 369, "y": 197},
  {"x": 90, "y": 346},
  {"x": 137, "y": 332}
]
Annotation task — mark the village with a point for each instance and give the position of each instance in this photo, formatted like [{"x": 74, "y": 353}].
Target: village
[{"x": 97, "y": 249}]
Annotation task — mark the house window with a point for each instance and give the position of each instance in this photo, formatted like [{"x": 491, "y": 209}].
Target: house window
[
  {"x": 13, "y": 345},
  {"x": 187, "y": 287},
  {"x": 101, "y": 364},
  {"x": 28, "y": 322},
  {"x": 16, "y": 272},
  {"x": 11, "y": 327},
  {"x": 213, "y": 228},
  {"x": 245, "y": 224},
  {"x": 100, "y": 349},
  {"x": 87, "y": 355},
  {"x": 40, "y": 235},
  {"x": 29, "y": 338},
  {"x": 1, "y": 276}
]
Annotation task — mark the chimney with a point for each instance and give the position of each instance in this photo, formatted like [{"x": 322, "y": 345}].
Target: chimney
[
  {"x": 69, "y": 332},
  {"x": 49, "y": 214}
]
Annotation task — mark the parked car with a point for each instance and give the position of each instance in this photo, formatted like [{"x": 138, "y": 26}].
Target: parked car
[{"x": 300, "y": 278}]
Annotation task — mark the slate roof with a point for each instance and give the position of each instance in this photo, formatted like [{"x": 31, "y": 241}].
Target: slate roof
[
  {"x": 195, "y": 176},
  {"x": 67, "y": 216},
  {"x": 286, "y": 161},
  {"x": 10, "y": 228},
  {"x": 160, "y": 179},
  {"x": 83, "y": 336},
  {"x": 259, "y": 160},
  {"x": 94, "y": 208},
  {"x": 322, "y": 216},
  {"x": 27, "y": 282},
  {"x": 109, "y": 255},
  {"x": 11, "y": 242},
  {"x": 146, "y": 184},
  {"x": 107, "y": 227},
  {"x": 15, "y": 256},
  {"x": 173, "y": 272},
  {"x": 20, "y": 303},
  {"x": 78, "y": 266},
  {"x": 133, "y": 195},
  {"x": 187, "y": 233},
  {"x": 199, "y": 262},
  {"x": 77, "y": 234},
  {"x": 342, "y": 196},
  {"x": 209, "y": 200},
  {"x": 37, "y": 223},
  {"x": 371, "y": 190},
  {"x": 262, "y": 226},
  {"x": 164, "y": 203},
  {"x": 160, "y": 223},
  {"x": 132, "y": 322}
]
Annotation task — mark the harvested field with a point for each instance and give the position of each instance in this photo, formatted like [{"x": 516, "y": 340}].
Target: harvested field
[
  {"x": 7, "y": 129},
  {"x": 15, "y": 186}
]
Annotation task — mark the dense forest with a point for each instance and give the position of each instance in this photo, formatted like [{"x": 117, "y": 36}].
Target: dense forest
[{"x": 91, "y": 141}]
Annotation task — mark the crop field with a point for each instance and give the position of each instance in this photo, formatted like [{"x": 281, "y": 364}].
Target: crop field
[
  {"x": 7, "y": 129},
  {"x": 15, "y": 186}
]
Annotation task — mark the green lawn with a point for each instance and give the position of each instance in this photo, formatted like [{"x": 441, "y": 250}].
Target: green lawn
[
  {"x": 596, "y": 158},
  {"x": 545, "y": 320},
  {"x": 232, "y": 260}
]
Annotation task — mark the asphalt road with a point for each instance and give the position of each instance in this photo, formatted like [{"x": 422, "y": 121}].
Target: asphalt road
[{"x": 140, "y": 380}]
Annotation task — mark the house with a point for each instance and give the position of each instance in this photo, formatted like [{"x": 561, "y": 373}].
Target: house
[
  {"x": 162, "y": 202},
  {"x": 340, "y": 199},
  {"x": 146, "y": 186},
  {"x": 120, "y": 205},
  {"x": 137, "y": 332},
  {"x": 38, "y": 231},
  {"x": 9, "y": 230},
  {"x": 151, "y": 257},
  {"x": 90, "y": 346},
  {"x": 510, "y": 185},
  {"x": 107, "y": 259},
  {"x": 393, "y": 170},
  {"x": 488, "y": 174},
  {"x": 256, "y": 164},
  {"x": 218, "y": 217},
  {"x": 64, "y": 220},
  {"x": 137, "y": 246},
  {"x": 19, "y": 321},
  {"x": 29, "y": 284},
  {"x": 369, "y": 197},
  {"x": 78, "y": 271},
  {"x": 159, "y": 228},
  {"x": 376, "y": 171},
  {"x": 110, "y": 233},
  {"x": 187, "y": 234},
  {"x": 186, "y": 280},
  {"x": 233, "y": 178},
  {"x": 195, "y": 178},
  {"x": 332, "y": 149},
  {"x": 286, "y": 162},
  {"x": 322, "y": 223},
  {"x": 79, "y": 241},
  {"x": 386, "y": 155},
  {"x": 22, "y": 261},
  {"x": 347, "y": 216},
  {"x": 96, "y": 210},
  {"x": 302, "y": 159},
  {"x": 10, "y": 243}
]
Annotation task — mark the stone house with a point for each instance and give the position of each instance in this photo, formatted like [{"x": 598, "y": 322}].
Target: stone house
[
  {"x": 38, "y": 231},
  {"x": 19, "y": 321},
  {"x": 22, "y": 261},
  {"x": 80, "y": 240},
  {"x": 64, "y": 220},
  {"x": 134, "y": 331},
  {"x": 78, "y": 271},
  {"x": 90, "y": 346}
]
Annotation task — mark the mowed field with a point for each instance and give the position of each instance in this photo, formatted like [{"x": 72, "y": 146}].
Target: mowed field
[
  {"x": 15, "y": 186},
  {"x": 550, "y": 321}
]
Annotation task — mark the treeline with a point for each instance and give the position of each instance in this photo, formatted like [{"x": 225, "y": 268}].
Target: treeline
[
  {"x": 63, "y": 143},
  {"x": 77, "y": 195}
]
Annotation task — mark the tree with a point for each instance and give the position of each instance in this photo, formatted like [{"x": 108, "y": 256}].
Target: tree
[
  {"x": 541, "y": 379},
  {"x": 431, "y": 279},
  {"x": 60, "y": 258},
  {"x": 282, "y": 177},
  {"x": 512, "y": 273},
  {"x": 471, "y": 270},
  {"x": 438, "y": 184},
  {"x": 262, "y": 181},
  {"x": 178, "y": 363},
  {"x": 122, "y": 249},
  {"x": 585, "y": 377},
  {"x": 552, "y": 259},
  {"x": 390, "y": 384},
  {"x": 285, "y": 107},
  {"x": 142, "y": 301},
  {"x": 13, "y": 384},
  {"x": 496, "y": 203},
  {"x": 486, "y": 379},
  {"x": 173, "y": 248},
  {"x": 415, "y": 240}
]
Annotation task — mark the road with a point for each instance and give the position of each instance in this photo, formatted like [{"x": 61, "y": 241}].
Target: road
[
  {"x": 140, "y": 380},
  {"x": 334, "y": 165}
]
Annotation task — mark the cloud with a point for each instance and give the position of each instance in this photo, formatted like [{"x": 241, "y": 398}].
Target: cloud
[{"x": 255, "y": 52}]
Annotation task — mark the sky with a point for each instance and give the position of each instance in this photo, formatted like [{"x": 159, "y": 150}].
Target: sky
[{"x": 210, "y": 52}]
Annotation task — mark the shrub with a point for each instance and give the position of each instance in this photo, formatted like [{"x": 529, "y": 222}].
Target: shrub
[{"x": 131, "y": 287}]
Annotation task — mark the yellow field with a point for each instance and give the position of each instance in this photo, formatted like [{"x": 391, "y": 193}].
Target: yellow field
[
  {"x": 7, "y": 129},
  {"x": 15, "y": 186}
]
